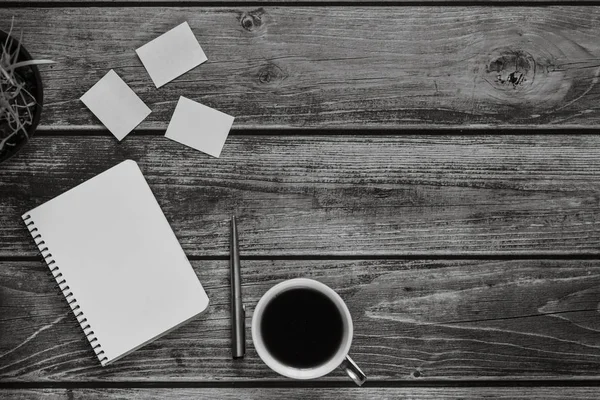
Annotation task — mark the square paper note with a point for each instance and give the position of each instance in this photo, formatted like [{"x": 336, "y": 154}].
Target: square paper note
[
  {"x": 199, "y": 127},
  {"x": 172, "y": 54},
  {"x": 115, "y": 105}
]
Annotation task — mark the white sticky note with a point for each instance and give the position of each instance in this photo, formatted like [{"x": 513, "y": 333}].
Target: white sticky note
[
  {"x": 200, "y": 127},
  {"x": 171, "y": 54},
  {"x": 115, "y": 105}
]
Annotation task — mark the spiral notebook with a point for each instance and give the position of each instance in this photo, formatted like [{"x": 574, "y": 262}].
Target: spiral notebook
[{"x": 117, "y": 261}]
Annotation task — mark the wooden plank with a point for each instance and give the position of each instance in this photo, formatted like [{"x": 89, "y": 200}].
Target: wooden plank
[
  {"x": 187, "y": 3},
  {"x": 336, "y": 67},
  {"x": 544, "y": 393},
  {"x": 343, "y": 196},
  {"x": 413, "y": 320}
]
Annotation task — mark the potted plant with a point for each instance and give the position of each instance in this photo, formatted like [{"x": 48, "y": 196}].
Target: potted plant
[{"x": 21, "y": 95}]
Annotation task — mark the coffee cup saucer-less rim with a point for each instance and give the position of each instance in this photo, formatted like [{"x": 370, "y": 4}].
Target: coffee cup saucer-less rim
[{"x": 302, "y": 373}]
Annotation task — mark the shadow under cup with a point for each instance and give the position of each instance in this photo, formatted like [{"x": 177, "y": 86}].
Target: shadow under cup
[{"x": 332, "y": 337}]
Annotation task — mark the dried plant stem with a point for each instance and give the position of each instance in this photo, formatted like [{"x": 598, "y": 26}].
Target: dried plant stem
[{"x": 17, "y": 104}]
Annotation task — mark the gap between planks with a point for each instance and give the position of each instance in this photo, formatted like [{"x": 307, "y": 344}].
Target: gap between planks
[
  {"x": 399, "y": 257},
  {"x": 86, "y": 130}
]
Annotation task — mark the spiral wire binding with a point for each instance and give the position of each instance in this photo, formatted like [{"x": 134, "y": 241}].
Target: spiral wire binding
[{"x": 61, "y": 284}]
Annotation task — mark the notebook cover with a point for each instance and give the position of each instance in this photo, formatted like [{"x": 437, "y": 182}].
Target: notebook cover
[{"x": 117, "y": 261}]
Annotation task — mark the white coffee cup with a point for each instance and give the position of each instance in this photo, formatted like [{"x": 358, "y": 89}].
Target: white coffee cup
[{"x": 340, "y": 358}]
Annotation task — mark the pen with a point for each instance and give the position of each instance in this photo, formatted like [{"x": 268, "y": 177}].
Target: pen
[{"x": 238, "y": 310}]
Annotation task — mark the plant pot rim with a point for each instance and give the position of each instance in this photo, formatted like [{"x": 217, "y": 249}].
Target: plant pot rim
[{"x": 38, "y": 94}]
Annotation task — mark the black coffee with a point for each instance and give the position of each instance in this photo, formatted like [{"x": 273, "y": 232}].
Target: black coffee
[{"x": 302, "y": 328}]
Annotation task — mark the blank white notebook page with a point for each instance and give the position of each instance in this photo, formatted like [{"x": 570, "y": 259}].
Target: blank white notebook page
[{"x": 120, "y": 259}]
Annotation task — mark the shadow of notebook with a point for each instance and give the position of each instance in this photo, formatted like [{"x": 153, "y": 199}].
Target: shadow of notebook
[{"x": 117, "y": 261}]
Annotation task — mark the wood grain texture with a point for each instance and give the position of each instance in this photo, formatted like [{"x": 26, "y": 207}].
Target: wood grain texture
[
  {"x": 413, "y": 321},
  {"x": 187, "y": 3},
  {"x": 336, "y": 66},
  {"x": 554, "y": 393},
  {"x": 343, "y": 195}
]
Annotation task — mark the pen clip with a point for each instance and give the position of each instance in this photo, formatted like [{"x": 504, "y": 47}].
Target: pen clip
[{"x": 243, "y": 329}]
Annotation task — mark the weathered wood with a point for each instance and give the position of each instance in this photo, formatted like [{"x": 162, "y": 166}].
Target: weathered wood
[
  {"x": 544, "y": 393},
  {"x": 345, "y": 195},
  {"x": 413, "y": 320},
  {"x": 138, "y": 3},
  {"x": 336, "y": 67}
]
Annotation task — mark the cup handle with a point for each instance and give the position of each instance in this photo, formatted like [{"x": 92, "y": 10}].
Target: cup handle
[{"x": 353, "y": 371}]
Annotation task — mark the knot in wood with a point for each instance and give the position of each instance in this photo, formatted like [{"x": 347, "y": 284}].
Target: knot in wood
[
  {"x": 270, "y": 74},
  {"x": 252, "y": 21},
  {"x": 514, "y": 70}
]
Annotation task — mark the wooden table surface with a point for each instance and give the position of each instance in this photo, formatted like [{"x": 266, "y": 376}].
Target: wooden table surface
[{"x": 436, "y": 165}]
